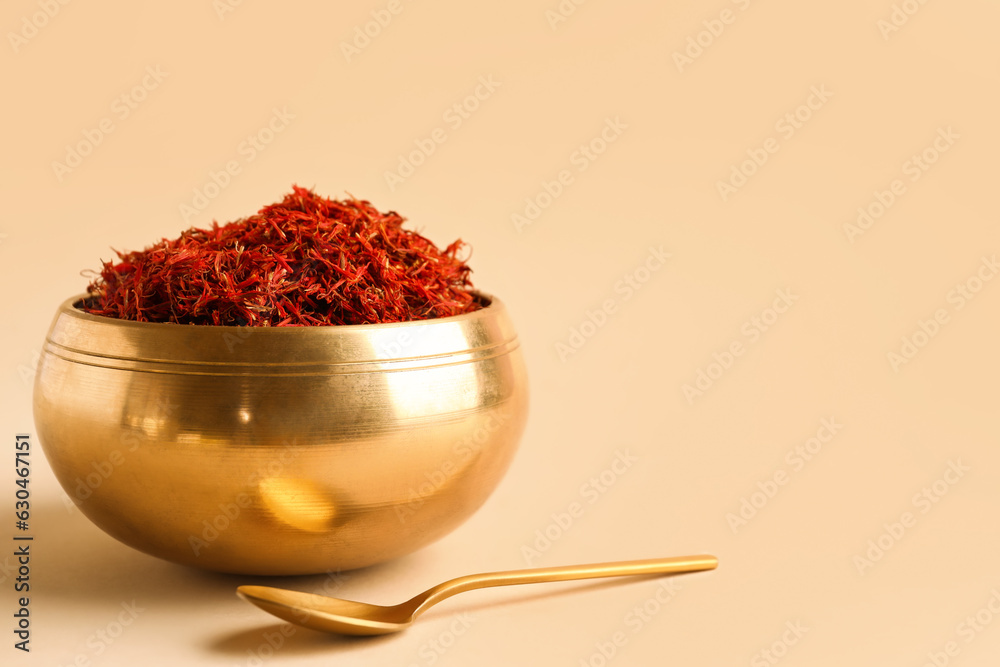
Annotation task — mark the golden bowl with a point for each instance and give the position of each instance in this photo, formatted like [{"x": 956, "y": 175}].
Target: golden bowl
[{"x": 280, "y": 450}]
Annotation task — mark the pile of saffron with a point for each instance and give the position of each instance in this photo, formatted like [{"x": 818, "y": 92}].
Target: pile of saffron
[{"x": 305, "y": 261}]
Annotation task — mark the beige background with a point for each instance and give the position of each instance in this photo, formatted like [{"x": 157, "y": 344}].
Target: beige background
[{"x": 884, "y": 96}]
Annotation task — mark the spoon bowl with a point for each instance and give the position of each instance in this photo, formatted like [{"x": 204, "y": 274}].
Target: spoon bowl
[{"x": 328, "y": 614}]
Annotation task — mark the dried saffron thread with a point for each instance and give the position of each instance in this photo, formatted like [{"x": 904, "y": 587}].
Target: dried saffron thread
[{"x": 305, "y": 261}]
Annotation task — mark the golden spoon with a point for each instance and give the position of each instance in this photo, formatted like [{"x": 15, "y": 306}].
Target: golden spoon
[{"x": 357, "y": 618}]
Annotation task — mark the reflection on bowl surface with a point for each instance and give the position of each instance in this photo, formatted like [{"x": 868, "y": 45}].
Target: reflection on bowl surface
[{"x": 291, "y": 450}]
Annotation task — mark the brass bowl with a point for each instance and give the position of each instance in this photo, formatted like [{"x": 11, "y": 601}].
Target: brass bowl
[{"x": 285, "y": 450}]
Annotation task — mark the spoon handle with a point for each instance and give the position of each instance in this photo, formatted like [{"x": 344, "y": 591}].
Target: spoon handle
[{"x": 568, "y": 573}]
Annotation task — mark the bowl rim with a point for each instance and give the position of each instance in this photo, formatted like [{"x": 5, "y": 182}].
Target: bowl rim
[
  {"x": 72, "y": 306},
  {"x": 193, "y": 349}
]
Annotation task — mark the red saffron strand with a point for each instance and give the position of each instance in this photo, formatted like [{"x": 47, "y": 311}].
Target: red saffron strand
[{"x": 305, "y": 261}]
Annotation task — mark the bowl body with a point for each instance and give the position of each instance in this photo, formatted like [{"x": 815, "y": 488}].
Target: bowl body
[{"x": 285, "y": 450}]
